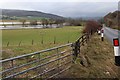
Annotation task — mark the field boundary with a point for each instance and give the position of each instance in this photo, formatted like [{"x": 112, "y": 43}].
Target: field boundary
[{"x": 43, "y": 66}]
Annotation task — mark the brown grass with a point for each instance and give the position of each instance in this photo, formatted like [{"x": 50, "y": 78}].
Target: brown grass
[{"x": 100, "y": 61}]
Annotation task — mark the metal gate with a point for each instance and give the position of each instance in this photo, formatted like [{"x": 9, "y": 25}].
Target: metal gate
[{"x": 47, "y": 63}]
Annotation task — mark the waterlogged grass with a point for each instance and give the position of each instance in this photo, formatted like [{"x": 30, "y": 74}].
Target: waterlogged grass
[{"x": 30, "y": 39}]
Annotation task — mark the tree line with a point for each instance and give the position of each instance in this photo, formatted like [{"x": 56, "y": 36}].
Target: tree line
[
  {"x": 44, "y": 21},
  {"x": 58, "y": 22}
]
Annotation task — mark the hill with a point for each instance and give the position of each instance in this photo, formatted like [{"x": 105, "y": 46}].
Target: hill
[
  {"x": 25, "y": 13},
  {"x": 112, "y": 19}
]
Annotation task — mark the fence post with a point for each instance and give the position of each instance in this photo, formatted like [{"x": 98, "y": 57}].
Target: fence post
[
  {"x": 12, "y": 65},
  {"x": 32, "y": 42},
  {"x": 91, "y": 32},
  {"x": 27, "y": 60},
  {"x": 76, "y": 50},
  {"x": 68, "y": 40},
  {"x": 82, "y": 40},
  {"x": 39, "y": 55},
  {"x": 54, "y": 39},
  {"x": 19, "y": 43},
  {"x": 87, "y": 36},
  {"x": 58, "y": 62},
  {"x": 7, "y": 44},
  {"x": 42, "y": 40}
]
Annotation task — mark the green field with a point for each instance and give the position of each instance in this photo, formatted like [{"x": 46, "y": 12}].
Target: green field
[{"x": 30, "y": 40}]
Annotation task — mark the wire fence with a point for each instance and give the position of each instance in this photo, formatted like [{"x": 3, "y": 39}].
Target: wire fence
[{"x": 54, "y": 40}]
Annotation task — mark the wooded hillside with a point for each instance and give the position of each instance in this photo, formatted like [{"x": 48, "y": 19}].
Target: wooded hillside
[{"x": 113, "y": 19}]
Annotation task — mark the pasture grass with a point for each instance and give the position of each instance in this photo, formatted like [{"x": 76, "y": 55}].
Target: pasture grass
[{"x": 30, "y": 40}]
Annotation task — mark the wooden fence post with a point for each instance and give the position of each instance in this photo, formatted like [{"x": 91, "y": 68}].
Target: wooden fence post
[
  {"x": 87, "y": 38},
  {"x": 91, "y": 32},
  {"x": 54, "y": 39},
  {"x": 32, "y": 42},
  {"x": 82, "y": 40},
  {"x": 7, "y": 44},
  {"x": 19, "y": 43},
  {"x": 76, "y": 50},
  {"x": 68, "y": 40},
  {"x": 42, "y": 40}
]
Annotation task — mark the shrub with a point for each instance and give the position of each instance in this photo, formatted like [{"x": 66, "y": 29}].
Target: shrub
[{"x": 92, "y": 27}]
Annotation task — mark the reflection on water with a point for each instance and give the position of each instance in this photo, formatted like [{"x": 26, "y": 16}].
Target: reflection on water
[
  {"x": 12, "y": 22},
  {"x": 27, "y": 26}
]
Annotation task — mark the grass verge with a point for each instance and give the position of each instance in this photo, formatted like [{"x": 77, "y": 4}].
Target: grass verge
[{"x": 99, "y": 57}]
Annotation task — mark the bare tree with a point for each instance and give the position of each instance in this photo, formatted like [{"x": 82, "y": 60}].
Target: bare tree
[
  {"x": 33, "y": 22},
  {"x": 44, "y": 22},
  {"x": 23, "y": 22},
  {"x": 51, "y": 22},
  {"x": 59, "y": 22},
  {"x": 91, "y": 27}
]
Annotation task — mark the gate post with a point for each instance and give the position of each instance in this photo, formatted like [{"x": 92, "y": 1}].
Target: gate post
[
  {"x": 87, "y": 35},
  {"x": 76, "y": 50}
]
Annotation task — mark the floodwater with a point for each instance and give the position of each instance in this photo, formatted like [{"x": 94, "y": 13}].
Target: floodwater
[
  {"x": 12, "y": 22},
  {"x": 18, "y": 25}
]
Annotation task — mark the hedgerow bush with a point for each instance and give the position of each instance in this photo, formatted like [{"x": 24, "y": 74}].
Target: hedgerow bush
[{"x": 92, "y": 27}]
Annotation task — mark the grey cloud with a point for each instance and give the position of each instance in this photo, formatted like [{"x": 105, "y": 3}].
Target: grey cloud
[{"x": 67, "y": 9}]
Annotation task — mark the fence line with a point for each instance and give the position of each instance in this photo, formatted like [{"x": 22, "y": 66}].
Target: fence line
[
  {"x": 32, "y": 42},
  {"x": 43, "y": 64}
]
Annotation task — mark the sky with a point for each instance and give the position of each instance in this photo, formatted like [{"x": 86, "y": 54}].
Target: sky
[{"x": 65, "y": 8}]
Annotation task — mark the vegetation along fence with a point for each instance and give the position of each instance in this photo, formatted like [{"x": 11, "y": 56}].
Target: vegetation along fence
[{"x": 49, "y": 63}]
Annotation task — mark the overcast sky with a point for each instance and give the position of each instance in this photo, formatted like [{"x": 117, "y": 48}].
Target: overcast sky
[{"x": 66, "y": 8}]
